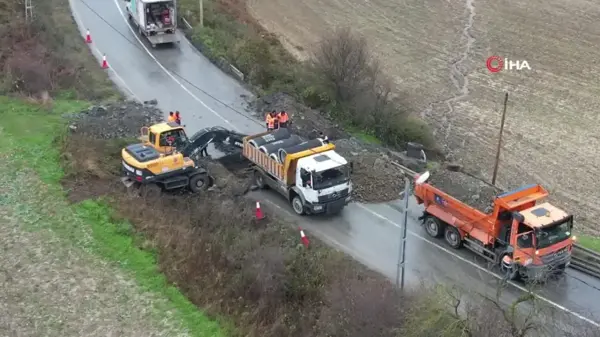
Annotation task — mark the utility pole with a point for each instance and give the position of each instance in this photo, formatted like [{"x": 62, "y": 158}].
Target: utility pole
[
  {"x": 402, "y": 249},
  {"x": 28, "y": 11},
  {"x": 201, "y": 4},
  {"x": 500, "y": 140}
]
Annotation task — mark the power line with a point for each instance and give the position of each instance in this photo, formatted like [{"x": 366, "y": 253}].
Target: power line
[{"x": 136, "y": 45}]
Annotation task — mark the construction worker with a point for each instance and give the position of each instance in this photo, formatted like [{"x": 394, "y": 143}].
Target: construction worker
[
  {"x": 275, "y": 117},
  {"x": 177, "y": 118},
  {"x": 171, "y": 117},
  {"x": 323, "y": 137},
  {"x": 270, "y": 121},
  {"x": 283, "y": 118}
]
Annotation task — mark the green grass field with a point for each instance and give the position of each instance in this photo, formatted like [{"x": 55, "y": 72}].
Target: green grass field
[{"x": 30, "y": 139}]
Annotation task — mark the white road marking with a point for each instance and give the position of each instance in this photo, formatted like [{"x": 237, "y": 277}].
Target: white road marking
[
  {"x": 447, "y": 251},
  {"x": 168, "y": 72},
  {"x": 96, "y": 51}
]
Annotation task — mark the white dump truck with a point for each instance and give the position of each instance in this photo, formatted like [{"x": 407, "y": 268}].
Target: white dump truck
[
  {"x": 155, "y": 19},
  {"x": 309, "y": 174}
]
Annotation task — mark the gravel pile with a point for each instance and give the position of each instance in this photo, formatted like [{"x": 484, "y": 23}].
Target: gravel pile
[{"x": 116, "y": 120}]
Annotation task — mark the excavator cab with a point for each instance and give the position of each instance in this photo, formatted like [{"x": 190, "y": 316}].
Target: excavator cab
[{"x": 164, "y": 137}]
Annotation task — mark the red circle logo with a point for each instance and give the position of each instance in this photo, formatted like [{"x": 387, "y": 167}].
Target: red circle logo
[{"x": 494, "y": 64}]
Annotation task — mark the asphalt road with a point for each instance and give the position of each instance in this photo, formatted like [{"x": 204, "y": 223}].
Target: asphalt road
[{"x": 182, "y": 79}]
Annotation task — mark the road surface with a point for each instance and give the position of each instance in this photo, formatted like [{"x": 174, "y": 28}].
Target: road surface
[{"x": 182, "y": 79}]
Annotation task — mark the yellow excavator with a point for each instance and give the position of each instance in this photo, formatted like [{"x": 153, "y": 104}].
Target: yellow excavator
[{"x": 166, "y": 159}]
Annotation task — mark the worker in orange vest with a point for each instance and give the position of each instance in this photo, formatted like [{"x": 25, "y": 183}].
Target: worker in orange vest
[
  {"x": 270, "y": 120},
  {"x": 283, "y": 119},
  {"x": 171, "y": 117}
]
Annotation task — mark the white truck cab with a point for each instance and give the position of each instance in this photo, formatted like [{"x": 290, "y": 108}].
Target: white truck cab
[{"x": 323, "y": 180}]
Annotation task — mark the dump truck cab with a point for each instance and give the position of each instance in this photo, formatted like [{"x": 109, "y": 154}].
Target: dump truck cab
[
  {"x": 322, "y": 178},
  {"x": 539, "y": 235}
]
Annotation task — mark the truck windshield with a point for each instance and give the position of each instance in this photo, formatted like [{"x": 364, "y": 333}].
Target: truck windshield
[
  {"x": 331, "y": 177},
  {"x": 548, "y": 236}
]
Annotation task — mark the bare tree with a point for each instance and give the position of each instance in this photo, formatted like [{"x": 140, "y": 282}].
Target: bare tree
[{"x": 345, "y": 63}]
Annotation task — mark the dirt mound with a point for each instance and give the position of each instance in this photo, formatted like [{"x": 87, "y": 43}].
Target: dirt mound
[
  {"x": 304, "y": 120},
  {"x": 374, "y": 178},
  {"x": 465, "y": 188},
  {"x": 116, "y": 120}
]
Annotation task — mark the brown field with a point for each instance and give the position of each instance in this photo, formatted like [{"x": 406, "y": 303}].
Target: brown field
[{"x": 436, "y": 52}]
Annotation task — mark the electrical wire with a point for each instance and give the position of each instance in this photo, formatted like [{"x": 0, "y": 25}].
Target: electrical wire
[{"x": 136, "y": 45}]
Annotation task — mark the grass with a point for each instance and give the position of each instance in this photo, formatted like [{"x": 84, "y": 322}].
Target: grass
[
  {"x": 364, "y": 136},
  {"x": 29, "y": 144},
  {"x": 589, "y": 242}
]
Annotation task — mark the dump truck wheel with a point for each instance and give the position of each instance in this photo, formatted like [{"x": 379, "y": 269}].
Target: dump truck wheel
[
  {"x": 433, "y": 227},
  {"x": 298, "y": 206},
  {"x": 452, "y": 237},
  {"x": 259, "y": 180},
  {"x": 199, "y": 182}
]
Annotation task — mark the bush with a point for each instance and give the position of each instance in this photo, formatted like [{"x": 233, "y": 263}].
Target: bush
[{"x": 353, "y": 77}]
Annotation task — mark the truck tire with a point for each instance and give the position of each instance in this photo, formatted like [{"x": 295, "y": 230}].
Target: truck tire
[
  {"x": 199, "y": 182},
  {"x": 259, "y": 180},
  {"x": 452, "y": 237},
  {"x": 433, "y": 226},
  {"x": 298, "y": 205}
]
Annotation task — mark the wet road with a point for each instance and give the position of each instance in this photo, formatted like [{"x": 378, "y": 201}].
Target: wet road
[{"x": 182, "y": 79}]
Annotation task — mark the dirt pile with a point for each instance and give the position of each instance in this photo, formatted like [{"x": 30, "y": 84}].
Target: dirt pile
[
  {"x": 304, "y": 120},
  {"x": 473, "y": 191},
  {"x": 116, "y": 120}
]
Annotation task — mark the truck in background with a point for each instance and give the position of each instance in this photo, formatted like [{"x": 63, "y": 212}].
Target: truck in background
[
  {"x": 526, "y": 239},
  {"x": 309, "y": 174},
  {"x": 155, "y": 19}
]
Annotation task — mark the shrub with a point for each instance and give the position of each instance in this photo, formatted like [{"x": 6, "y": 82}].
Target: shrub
[
  {"x": 362, "y": 93},
  {"x": 46, "y": 55}
]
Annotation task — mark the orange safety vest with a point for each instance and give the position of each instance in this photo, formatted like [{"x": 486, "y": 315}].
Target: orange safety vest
[
  {"x": 283, "y": 117},
  {"x": 171, "y": 118},
  {"x": 270, "y": 122}
]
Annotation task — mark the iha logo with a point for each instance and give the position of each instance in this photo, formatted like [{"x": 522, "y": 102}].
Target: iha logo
[{"x": 496, "y": 64}]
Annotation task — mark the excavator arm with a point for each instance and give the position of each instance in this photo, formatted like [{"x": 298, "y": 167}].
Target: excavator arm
[{"x": 226, "y": 141}]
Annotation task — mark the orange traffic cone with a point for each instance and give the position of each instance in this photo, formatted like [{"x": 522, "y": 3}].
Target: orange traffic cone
[
  {"x": 88, "y": 37},
  {"x": 104, "y": 63},
  {"x": 259, "y": 212},
  {"x": 303, "y": 238}
]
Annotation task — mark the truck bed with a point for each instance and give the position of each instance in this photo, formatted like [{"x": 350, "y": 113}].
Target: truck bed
[
  {"x": 469, "y": 190},
  {"x": 262, "y": 160},
  {"x": 163, "y": 39}
]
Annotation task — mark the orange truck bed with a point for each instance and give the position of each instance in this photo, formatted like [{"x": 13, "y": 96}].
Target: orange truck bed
[{"x": 481, "y": 226}]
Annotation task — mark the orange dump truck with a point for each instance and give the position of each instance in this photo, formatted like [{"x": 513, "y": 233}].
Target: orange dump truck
[{"x": 525, "y": 237}]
